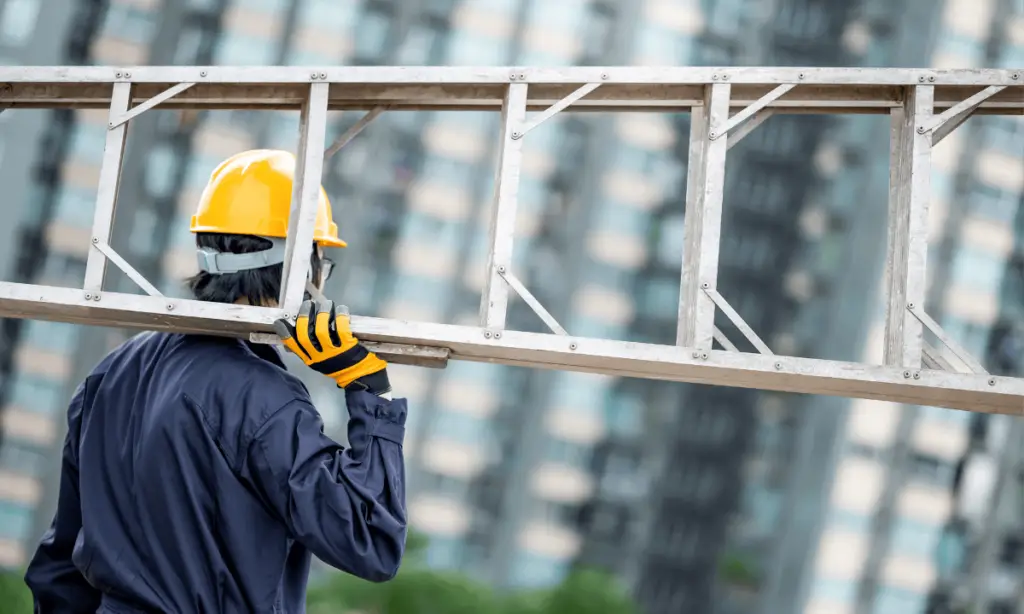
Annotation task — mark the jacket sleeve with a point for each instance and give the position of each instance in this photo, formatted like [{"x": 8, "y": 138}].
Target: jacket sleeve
[
  {"x": 346, "y": 505},
  {"x": 57, "y": 585}
]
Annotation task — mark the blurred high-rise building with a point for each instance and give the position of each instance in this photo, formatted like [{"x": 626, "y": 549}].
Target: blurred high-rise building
[{"x": 703, "y": 499}]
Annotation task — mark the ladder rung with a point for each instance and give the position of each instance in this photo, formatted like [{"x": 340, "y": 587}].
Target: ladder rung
[{"x": 726, "y": 105}]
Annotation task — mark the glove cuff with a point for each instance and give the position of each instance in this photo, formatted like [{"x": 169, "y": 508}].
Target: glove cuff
[{"x": 374, "y": 383}]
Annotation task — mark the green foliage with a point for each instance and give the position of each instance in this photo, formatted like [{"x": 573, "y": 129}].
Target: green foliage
[
  {"x": 419, "y": 590},
  {"x": 14, "y": 595}
]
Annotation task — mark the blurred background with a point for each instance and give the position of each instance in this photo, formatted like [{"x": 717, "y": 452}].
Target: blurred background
[{"x": 693, "y": 499}]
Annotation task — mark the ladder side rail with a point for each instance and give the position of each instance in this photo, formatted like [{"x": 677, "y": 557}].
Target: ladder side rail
[
  {"x": 107, "y": 189},
  {"x": 702, "y": 223},
  {"x": 907, "y": 249},
  {"x": 494, "y": 298},
  {"x": 306, "y": 189}
]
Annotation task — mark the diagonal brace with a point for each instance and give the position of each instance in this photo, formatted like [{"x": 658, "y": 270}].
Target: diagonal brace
[
  {"x": 128, "y": 269},
  {"x": 722, "y": 340},
  {"x": 933, "y": 359},
  {"x": 554, "y": 109},
  {"x": 951, "y": 119},
  {"x": 751, "y": 125},
  {"x": 160, "y": 98},
  {"x": 531, "y": 300},
  {"x": 965, "y": 356},
  {"x": 753, "y": 108},
  {"x": 738, "y": 320},
  {"x": 353, "y": 131}
]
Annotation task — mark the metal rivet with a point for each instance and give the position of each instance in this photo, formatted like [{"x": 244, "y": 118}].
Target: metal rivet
[
  {"x": 931, "y": 78},
  {"x": 170, "y": 306},
  {"x": 202, "y": 73},
  {"x": 604, "y": 75},
  {"x": 487, "y": 334},
  {"x": 725, "y": 77},
  {"x": 917, "y": 375},
  {"x": 920, "y": 129},
  {"x": 521, "y": 76},
  {"x": 323, "y": 75},
  {"x": 906, "y": 374},
  {"x": 118, "y": 75},
  {"x": 512, "y": 76},
  {"x": 516, "y": 135},
  {"x": 920, "y": 79},
  {"x": 96, "y": 296},
  {"x": 778, "y": 366},
  {"x": 95, "y": 240},
  {"x": 497, "y": 335},
  {"x": 696, "y": 354},
  {"x": 800, "y": 76},
  {"x": 572, "y": 346},
  {"x": 714, "y": 77},
  {"x": 705, "y": 285},
  {"x": 88, "y": 296},
  {"x": 991, "y": 381},
  {"x": 501, "y": 269},
  {"x": 110, "y": 125},
  {"x": 312, "y": 76},
  {"x": 703, "y": 355},
  {"x": 713, "y": 135},
  {"x": 1015, "y": 76},
  {"x": 910, "y": 305},
  {"x": 127, "y": 75}
]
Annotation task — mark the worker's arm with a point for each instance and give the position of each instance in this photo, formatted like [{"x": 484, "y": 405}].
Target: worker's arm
[
  {"x": 346, "y": 505},
  {"x": 57, "y": 585}
]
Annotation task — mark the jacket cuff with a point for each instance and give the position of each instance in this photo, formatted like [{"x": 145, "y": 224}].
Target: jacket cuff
[{"x": 383, "y": 418}]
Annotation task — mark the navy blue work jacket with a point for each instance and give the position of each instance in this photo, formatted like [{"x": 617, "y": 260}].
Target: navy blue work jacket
[{"x": 197, "y": 479}]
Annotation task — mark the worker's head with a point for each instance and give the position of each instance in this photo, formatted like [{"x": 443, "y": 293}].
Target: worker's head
[{"x": 241, "y": 224}]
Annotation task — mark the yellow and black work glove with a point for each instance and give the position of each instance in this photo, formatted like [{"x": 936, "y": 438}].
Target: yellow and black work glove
[{"x": 323, "y": 339}]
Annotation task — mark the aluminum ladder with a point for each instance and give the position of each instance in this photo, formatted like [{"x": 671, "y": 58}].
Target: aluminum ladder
[{"x": 726, "y": 104}]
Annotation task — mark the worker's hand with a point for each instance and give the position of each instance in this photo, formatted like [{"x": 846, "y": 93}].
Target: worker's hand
[{"x": 323, "y": 339}]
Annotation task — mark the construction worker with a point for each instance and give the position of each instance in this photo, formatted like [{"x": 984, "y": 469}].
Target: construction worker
[{"x": 196, "y": 474}]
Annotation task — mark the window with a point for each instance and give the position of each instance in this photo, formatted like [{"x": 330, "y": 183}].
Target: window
[
  {"x": 88, "y": 140},
  {"x": 448, "y": 171},
  {"x": 422, "y": 227},
  {"x": 660, "y": 297},
  {"x": 670, "y": 233},
  {"x": 371, "y": 34},
  {"x": 891, "y": 600},
  {"x": 337, "y": 16},
  {"x": 444, "y": 552},
  {"x": 237, "y": 49},
  {"x": 567, "y": 453},
  {"x": 470, "y": 49},
  {"x": 535, "y": 570},
  {"x": 22, "y": 457},
  {"x": 56, "y": 337},
  {"x": 993, "y": 203},
  {"x": 75, "y": 207},
  {"x": 663, "y": 46},
  {"x": 160, "y": 170},
  {"x": 18, "y": 21},
  {"x": 912, "y": 538},
  {"x": 835, "y": 591},
  {"x": 460, "y": 427},
  {"x": 850, "y": 521},
  {"x": 15, "y": 520},
  {"x": 36, "y": 394},
  {"x": 976, "y": 269},
  {"x": 130, "y": 23}
]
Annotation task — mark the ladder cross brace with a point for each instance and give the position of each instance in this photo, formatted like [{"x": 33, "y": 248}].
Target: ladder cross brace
[{"x": 924, "y": 106}]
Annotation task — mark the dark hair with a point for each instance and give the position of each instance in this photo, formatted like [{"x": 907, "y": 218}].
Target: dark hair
[{"x": 257, "y": 286}]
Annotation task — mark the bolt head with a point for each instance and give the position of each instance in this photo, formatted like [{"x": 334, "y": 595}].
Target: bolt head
[
  {"x": 931, "y": 78},
  {"x": 1015, "y": 76},
  {"x": 920, "y": 79},
  {"x": 604, "y": 75},
  {"x": 521, "y": 76},
  {"x": 202, "y": 73},
  {"x": 572, "y": 346},
  {"x": 712, "y": 135},
  {"x": 705, "y": 285},
  {"x": 910, "y": 305},
  {"x": 323, "y": 75},
  {"x": 487, "y": 334},
  {"x": 88, "y": 296},
  {"x": 170, "y": 306},
  {"x": 703, "y": 355},
  {"x": 801, "y": 76},
  {"x": 917, "y": 375},
  {"x": 714, "y": 77},
  {"x": 906, "y": 374},
  {"x": 118, "y": 75},
  {"x": 127, "y": 75},
  {"x": 517, "y": 135},
  {"x": 778, "y": 366},
  {"x": 991, "y": 381},
  {"x": 501, "y": 269},
  {"x": 497, "y": 335}
]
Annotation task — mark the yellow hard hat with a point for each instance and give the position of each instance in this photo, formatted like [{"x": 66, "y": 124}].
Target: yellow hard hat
[{"x": 250, "y": 193}]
